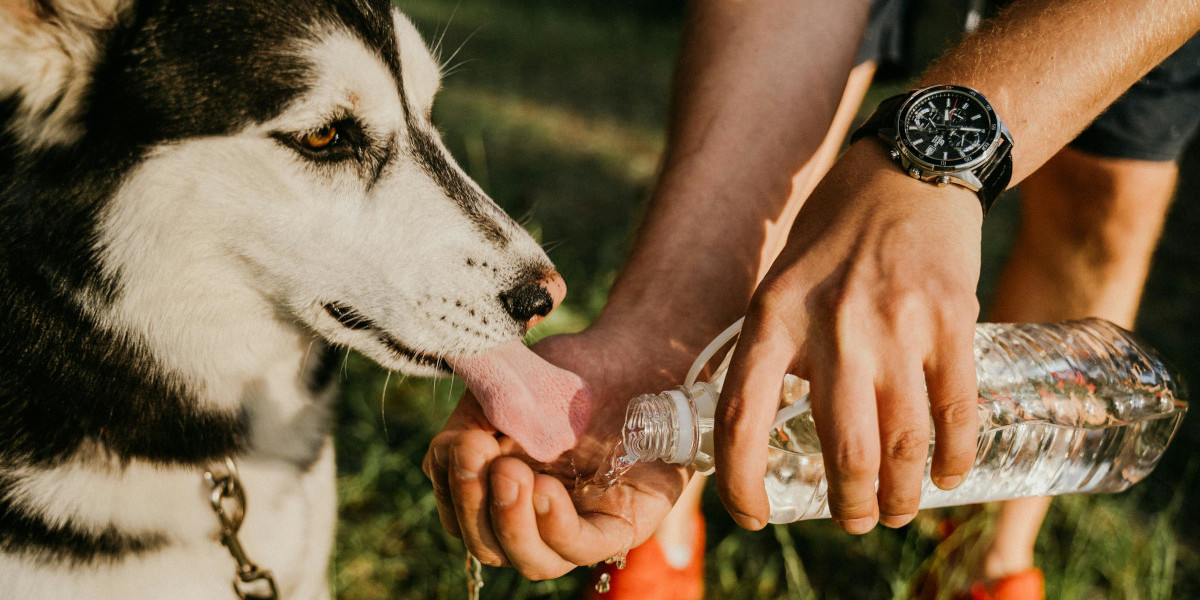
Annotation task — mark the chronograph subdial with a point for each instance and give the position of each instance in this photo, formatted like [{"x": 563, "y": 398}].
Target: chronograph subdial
[
  {"x": 947, "y": 128},
  {"x": 966, "y": 139},
  {"x": 924, "y": 121}
]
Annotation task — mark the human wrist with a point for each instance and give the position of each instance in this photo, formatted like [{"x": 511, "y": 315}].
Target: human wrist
[
  {"x": 947, "y": 135},
  {"x": 663, "y": 342},
  {"x": 866, "y": 164}
]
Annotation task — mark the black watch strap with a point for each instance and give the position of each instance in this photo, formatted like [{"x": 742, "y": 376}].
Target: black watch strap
[
  {"x": 884, "y": 117},
  {"x": 994, "y": 175}
]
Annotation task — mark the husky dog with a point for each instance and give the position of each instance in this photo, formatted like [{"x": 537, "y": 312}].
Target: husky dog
[{"x": 198, "y": 198}]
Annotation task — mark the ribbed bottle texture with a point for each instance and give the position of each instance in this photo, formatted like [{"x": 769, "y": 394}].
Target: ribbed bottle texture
[
  {"x": 651, "y": 428},
  {"x": 1076, "y": 407}
]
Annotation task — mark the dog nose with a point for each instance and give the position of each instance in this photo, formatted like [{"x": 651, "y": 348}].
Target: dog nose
[{"x": 529, "y": 302}]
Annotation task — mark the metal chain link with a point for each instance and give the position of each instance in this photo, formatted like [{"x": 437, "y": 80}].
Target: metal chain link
[{"x": 251, "y": 582}]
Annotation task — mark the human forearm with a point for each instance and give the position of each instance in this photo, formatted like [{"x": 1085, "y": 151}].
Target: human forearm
[
  {"x": 873, "y": 299},
  {"x": 757, "y": 86},
  {"x": 1051, "y": 66},
  {"x": 756, "y": 89}
]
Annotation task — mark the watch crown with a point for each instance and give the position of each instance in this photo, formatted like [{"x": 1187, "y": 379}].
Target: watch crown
[
  {"x": 894, "y": 153},
  {"x": 914, "y": 172},
  {"x": 943, "y": 180}
]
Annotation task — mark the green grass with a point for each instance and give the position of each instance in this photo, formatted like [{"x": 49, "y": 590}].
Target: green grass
[{"x": 557, "y": 109}]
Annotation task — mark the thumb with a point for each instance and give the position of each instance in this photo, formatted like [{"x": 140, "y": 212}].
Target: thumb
[{"x": 468, "y": 415}]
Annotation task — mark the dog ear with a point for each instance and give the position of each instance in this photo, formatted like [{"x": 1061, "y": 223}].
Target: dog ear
[
  {"x": 422, "y": 75},
  {"x": 49, "y": 48}
]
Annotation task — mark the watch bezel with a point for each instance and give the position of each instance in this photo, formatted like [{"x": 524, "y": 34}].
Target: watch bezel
[{"x": 910, "y": 152}]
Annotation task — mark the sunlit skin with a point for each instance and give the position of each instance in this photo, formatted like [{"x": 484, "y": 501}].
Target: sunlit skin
[
  {"x": 873, "y": 297},
  {"x": 671, "y": 299}
]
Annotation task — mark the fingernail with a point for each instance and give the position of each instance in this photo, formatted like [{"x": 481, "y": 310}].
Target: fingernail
[
  {"x": 857, "y": 526},
  {"x": 895, "y": 521},
  {"x": 541, "y": 504},
  {"x": 439, "y": 456},
  {"x": 467, "y": 464},
  {"x": 504, "y": 490},
  {"x": 948, "y": 483}
]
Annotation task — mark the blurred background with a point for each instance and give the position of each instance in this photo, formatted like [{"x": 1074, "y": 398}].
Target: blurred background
[{"x": 558, "y": 110}]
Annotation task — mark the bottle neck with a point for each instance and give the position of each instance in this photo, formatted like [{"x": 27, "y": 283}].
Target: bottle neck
[
  {"x": 666, "y": 426},
  {"x": 651, "y": 429}
]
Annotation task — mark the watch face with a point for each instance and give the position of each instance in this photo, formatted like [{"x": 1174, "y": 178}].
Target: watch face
[{"x": 948, "y": 128}]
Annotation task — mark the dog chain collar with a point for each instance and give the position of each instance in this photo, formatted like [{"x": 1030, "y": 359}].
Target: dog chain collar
[{"x": 251, "y": 582}]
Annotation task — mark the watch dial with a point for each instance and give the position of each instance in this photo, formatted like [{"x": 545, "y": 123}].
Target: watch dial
[{"x": 947, "y": 128}]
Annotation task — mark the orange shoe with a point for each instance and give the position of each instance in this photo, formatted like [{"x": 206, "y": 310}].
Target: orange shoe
[
  {"x": 1029, "y": 584},
  {"x": 649, "y": 575}
]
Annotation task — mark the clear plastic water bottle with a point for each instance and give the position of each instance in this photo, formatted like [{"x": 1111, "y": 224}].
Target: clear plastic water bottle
[{"x": 1065, "y": 408}]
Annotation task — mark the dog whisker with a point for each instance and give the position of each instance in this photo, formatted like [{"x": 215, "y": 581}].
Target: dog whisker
[
  {"x": 460, "y": 46},
  {"x": 435, "y": 384},
  {"x": 437, "y": 46},
  {"x": 307, "y": 351},
  {"x": 383, "y": 406},
  {"x": 534, "y": 336},
  {"x": 457, "y": 67}
]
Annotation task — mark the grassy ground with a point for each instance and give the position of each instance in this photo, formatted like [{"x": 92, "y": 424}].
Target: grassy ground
[{"x": 557, "y": 109}]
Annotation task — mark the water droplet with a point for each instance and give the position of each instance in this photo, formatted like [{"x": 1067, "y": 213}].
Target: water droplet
[
  {"x": 474, "y": 576},
  {"x": 604, "y": 583},
  {"x": 619, "y": 462},
  {"x": 618, "y": 559}
]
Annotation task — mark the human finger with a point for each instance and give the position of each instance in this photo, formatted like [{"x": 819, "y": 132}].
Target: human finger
[
  {"x": 953, "y": 400},
  {"x": 745, "y": 412},
  {"x": 581, "y": 538},
  {"x": 469, "y": 456},
  {"x": 843, "y": 405},
  {"x": 904, "y": 439},
  {"x": 515, "y": 524},
  {"x": 436, "y": 466}
]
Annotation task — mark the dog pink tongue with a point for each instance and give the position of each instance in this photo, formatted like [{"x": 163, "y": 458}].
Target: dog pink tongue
[{"x": 540, "y": 406}]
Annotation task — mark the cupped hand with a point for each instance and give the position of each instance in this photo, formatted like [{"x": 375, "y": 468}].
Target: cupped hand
[
  {"x": 872, "y": 301},
  {"x": 511, "y": 511}
]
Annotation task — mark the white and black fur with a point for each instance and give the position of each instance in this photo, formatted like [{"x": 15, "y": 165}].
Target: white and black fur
[{"x": 174, "y": 266}]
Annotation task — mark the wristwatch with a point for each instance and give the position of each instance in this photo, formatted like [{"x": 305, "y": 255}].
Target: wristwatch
[{"x": 946, "y": 134}]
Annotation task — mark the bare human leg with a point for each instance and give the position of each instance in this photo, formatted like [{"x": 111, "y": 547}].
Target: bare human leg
[{"x": 1089, "y": 228}]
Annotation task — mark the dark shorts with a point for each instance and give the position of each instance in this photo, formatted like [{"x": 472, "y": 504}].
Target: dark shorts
[{"x": 1153, "y": 120}]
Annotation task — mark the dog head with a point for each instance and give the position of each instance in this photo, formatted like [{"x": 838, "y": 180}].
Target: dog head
[{"x": 266, "y": 164}]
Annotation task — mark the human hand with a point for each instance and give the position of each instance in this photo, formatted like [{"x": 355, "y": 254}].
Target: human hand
[
  {"x": 872, "y": 301},
  {"x": 510, "y": 511}
]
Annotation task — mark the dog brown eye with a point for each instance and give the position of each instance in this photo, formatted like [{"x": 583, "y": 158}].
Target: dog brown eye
[{"x": 321, "y": 138}]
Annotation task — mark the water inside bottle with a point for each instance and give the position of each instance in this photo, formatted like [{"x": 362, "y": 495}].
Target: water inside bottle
[
  {"x": 1063, "y": 408},
  {"x": 1018, "y": 460}
]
